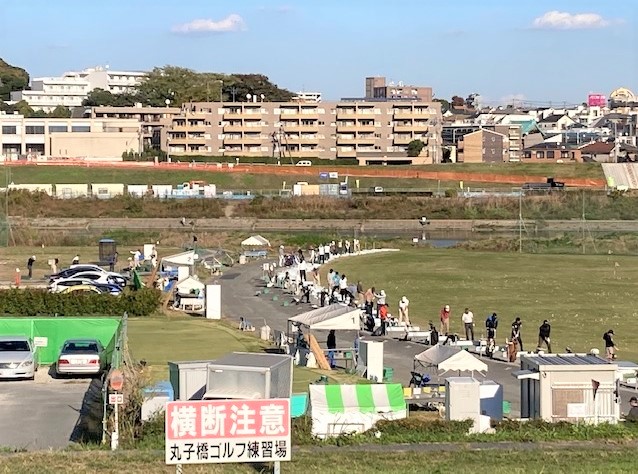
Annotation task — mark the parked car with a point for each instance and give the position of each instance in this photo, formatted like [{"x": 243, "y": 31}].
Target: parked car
[
  {"x": 17, "y": 357},
  {"x": 74, "y": 269},
  {"x": 81, "y": 356},
  {"x": 304, "y": 163},
  {"x": 110, "y": 278},
  {"x": 88, "y": 288},
  {"x": 65, "y": 286}
]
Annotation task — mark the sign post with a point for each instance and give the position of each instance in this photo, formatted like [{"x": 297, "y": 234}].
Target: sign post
[
  {"x": 116, "y": 382},
  {"x": 228, "y": 431}
]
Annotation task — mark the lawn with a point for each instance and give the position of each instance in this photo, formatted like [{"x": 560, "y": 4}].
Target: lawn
[
  {"x": 557, "y": 170},
  {"x": 612, "y": 459},
  {"x": 582, "y": 296},
  {"x": 176, "y": 338}
]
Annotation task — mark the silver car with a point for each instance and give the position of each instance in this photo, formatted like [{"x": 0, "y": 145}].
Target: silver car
[
  {"x": 17, "y": 357},
  {"x": 81, "y": 357}
]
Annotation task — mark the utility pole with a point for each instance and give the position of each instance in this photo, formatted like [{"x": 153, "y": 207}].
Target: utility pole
[
  {"x": 520, "y": 222},
  {"x": 583, "y": 223}
]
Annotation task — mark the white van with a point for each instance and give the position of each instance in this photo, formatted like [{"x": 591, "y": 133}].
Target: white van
[{"x": 304, "y": 163}]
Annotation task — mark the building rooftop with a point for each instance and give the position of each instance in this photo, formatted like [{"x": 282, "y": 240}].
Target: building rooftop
[
  {"x": 551, "y": 118},
  {"x": 565, "y": 359},
  {"x": 597, "y": 147}
]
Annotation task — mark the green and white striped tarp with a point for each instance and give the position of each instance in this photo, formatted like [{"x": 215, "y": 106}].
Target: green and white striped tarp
[
  {"x": 339, "y": 409},
  {"x": 360, "y": 398}
]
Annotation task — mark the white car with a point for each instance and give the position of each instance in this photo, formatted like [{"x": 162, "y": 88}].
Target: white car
[
  {"x": 81, "y": 356},
  {"x": 111, "y": 278},
  {"x": 304, "y": 163},
  {"x": 17, "y": 358}
]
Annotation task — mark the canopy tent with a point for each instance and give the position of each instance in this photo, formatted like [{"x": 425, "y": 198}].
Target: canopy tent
[
  {"x": 339, "y": 409},
  {"x": 185, "y": 259},
  {"x": 256, "y": 241},
  {"x": 336, "y": 316},
  {"x": 463, "y": 361},
  {"x": 436, "y": 354},
  {"x": 187, "y": 285}
]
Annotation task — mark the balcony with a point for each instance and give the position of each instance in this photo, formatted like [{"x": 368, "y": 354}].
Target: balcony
[
  {"x": 234, "y": 128},
  {"x": 254, "y": 139},
  {"x": 303, "y": 139},
  {"x": 404, "y": 114},
  {"x": 346, "y": 140},
  {"x": 404, "y": 128},
  {"x": 421, "y": 126},
  {"x": 402, "y": 139},
  {"x": 295, "y": 127},
  {"x": 300, "y": 115},
  {"x": 233, "y": 140},
  {"x": 369, "y": 138}
]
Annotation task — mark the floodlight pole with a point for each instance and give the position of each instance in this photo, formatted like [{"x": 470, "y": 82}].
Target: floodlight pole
[{"x": 520, "y": 222}]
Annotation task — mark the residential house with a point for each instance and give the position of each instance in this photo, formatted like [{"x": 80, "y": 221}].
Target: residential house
[
  {"x": 601, "y": 152},
  {"x": 551, "y": 151},
  {"x": 555, "y": 123}
]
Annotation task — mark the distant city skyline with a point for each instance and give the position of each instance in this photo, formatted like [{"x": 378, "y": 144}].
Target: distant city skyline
[{"x": 558, "y": 51}]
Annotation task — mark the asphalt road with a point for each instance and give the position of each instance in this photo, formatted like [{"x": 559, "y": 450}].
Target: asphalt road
[
  {"x": 40, "y": 414},
  {"x": 240, "y": 285}
]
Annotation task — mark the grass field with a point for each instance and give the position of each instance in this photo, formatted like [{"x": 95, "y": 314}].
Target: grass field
[
  {"x": 177, "y": 337},
  {"x": 80, "y": 174},
  {"x": 582, "y": 296},
  {"x": 612, "y": 459}
]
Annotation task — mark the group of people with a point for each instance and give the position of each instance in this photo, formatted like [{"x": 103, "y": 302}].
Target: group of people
[{"x": 491, "y": 325}]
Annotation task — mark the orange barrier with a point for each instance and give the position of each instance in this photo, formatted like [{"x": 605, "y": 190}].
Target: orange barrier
[{"x": 356, "y": 172}]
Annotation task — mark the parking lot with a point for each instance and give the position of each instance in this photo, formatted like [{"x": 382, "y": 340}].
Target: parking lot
[{"x": 40, "y": 414}]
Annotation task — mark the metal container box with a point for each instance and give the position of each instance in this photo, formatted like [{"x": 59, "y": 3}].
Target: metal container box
[
  {"x": 188, "y": 378},
  {"x": 249, "y": 376}
]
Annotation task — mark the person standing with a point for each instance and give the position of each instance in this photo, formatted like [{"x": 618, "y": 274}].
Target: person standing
[
  {"x": 610, "y": 345},
  {"x": 321, "y": 254},
  {"x": 343, "y": 287},
  {"x": 468, "y": 323},
  {"x": 544, "y": 332},
  {"x": 347, "y": 244},
  {"x": 316, "y": 278},
  {"x": 515, "y": 335},
  {"x": 76, "y": 260},
  {"x": 360, "y": 295},
  {"x": 633, "y": 411},
  {"x": 382, "y": 311},
  {"x": 332, "y": 345},
  {"x": 302, "y": 270},
  {"x": 281, "y": 256},
  {"x": 445, "y": 319},
  {"x": 404, "y": 311},
  {"x": 30, "y": 263},
  {"x": 369, "y": 300}
]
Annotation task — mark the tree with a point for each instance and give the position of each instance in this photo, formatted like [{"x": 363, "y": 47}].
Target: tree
[
  {"x": 415, "y": 147},
  {"x": 60, "y": 112},
  {"x": 445, "y": 105},
  {"x": 12, "y": 78},
  {"x": 457, "y": 101}
]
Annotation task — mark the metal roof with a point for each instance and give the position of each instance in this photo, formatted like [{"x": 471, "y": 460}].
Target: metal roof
[{"x": 566, "y": 359}]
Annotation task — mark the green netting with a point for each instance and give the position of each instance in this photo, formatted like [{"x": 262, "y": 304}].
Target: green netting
[{"x": 58, "y": 330}]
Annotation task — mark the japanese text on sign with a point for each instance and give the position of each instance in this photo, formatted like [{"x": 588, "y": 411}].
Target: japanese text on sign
[{"x": 227, "y": 431}]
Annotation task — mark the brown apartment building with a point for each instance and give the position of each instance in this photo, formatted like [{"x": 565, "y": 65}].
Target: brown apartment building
[{"x": 371, "y": 130}]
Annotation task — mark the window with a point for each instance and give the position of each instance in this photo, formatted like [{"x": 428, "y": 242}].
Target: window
[
  {"x": 58, "y": 128},
  {"x": 540, "y": 154},
  {"x": 80, "y": 128},
  {"x": 550, "y": 154},
  {"x": 9, "y": 130},
  {"x": 564, "y": 154},
  {"x": 34, "y": 129}
]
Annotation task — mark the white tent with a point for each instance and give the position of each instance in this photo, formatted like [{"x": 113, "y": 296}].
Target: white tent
[
  {"x": 335, "y": 316},
  {"x": 256, "y": 241},
  {"x": 462, "y": 361},
  {"x": 184, "y": 259},
  {"x": 185, "y": 286},
  {"x": 436, "y": 354}
]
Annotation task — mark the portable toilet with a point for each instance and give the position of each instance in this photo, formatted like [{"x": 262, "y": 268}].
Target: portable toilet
[{"x": 107, "y": 251}]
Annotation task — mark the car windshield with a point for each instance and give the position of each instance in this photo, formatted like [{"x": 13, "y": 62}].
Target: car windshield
[
  {"x": 14, "y": 346},
  {"x": 80, "y": 348}
]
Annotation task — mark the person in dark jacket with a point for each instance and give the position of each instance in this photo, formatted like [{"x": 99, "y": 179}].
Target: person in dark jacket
[
  {"x": 543, "y": 336},
  {"x": 610, "y": 345},
  {"x": 633, "y": 411},
  {"x": 332, "y": 345},
  {"x": 515, "y": 336},
  {"x": 30, "y": 263}
]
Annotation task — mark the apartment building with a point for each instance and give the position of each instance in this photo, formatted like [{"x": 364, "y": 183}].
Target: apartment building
[
  {"x": 73, "y": 87},
  {"x": 22, "y": 137},
  {"x": 376, "y": 88},
  {"x": 152, "y": 119},
  {"x": 455, "y": 135},
  {"x": 371, "y": 131},
  {"x": 484, "y": 146}
]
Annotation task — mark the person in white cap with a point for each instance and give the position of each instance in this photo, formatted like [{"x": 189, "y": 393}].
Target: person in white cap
[
  {"x": 404, "y": 303},
  {"x": 281, "y": 255}
]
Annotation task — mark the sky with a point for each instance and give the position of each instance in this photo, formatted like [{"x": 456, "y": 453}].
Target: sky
[{"x": 537, "y": 51}]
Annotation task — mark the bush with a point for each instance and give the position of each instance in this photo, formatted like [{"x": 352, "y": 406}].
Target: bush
[{"x": 38, "y": 302}]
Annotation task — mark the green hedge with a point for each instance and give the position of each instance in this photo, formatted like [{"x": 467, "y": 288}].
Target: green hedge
[{"x": 39, "y": 302}]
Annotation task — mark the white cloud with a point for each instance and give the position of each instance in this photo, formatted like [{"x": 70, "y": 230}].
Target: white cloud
[
  {"x": 232, "y": 22},
  {"x": 555, "y": 20}
]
